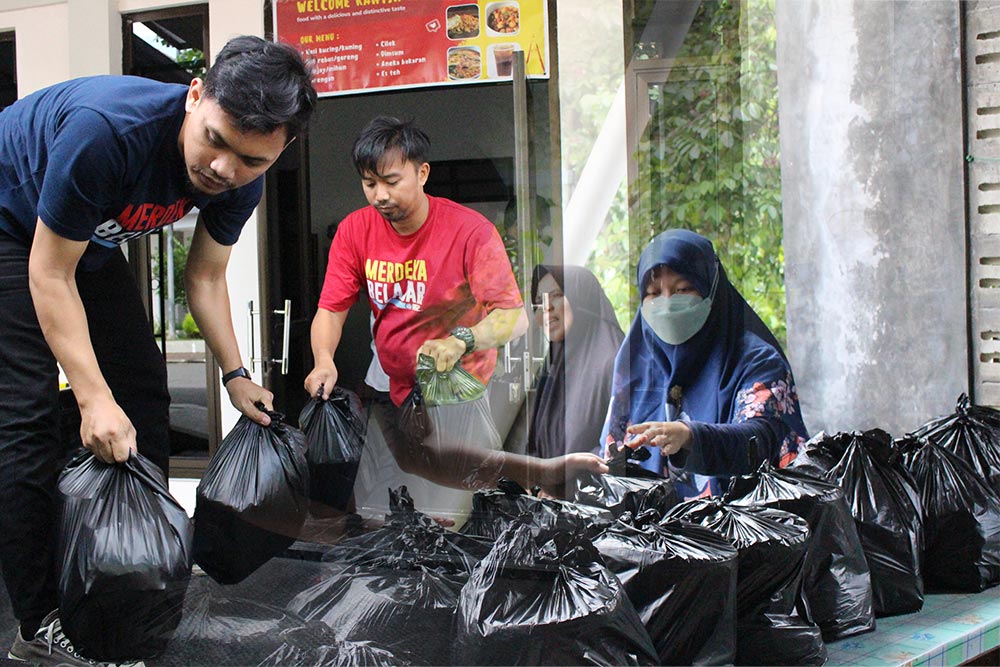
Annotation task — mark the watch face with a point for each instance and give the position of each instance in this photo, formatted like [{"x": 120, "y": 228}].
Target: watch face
[{"x": 465, "y": 335}]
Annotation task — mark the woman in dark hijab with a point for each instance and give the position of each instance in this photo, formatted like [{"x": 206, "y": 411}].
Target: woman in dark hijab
[
  {"x": 575, "y": 384},
  {"x": 699, "y": 373}
]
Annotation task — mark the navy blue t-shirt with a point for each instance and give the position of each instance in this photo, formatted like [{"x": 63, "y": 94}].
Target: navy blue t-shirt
[{"x": 97, "y": 159}]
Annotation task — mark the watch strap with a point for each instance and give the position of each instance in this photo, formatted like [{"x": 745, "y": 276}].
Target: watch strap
[{"x": 240, "y": 372}]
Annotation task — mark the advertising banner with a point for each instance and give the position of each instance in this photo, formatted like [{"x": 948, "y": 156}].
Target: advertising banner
[{"x": 364, "y": 45}]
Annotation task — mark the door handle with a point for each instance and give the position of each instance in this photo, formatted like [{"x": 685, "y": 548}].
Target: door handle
[{"x": 285, "y": 337}]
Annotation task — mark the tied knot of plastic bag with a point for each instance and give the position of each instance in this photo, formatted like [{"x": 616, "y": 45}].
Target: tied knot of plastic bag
[
  {"x": 972, "y": 433},
  {"x": 409, "y": 540},
  {"x": 448, "y": 387},
  {"x": 496, "y": 509}
]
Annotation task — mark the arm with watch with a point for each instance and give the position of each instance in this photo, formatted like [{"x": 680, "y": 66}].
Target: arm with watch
[
  {"x": 208, "y": 298},
  {"x": 494, "y": 330}
]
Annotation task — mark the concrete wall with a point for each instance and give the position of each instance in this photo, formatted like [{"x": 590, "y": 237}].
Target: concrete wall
[
  {"x": 872, "y": 181},
  {"x": 42, "y": 35}
]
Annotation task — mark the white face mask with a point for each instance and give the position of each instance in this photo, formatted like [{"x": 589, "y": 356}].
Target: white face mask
[{"x": 675, "y": 319}]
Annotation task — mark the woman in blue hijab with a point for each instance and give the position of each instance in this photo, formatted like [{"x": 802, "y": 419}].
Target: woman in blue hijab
[{"x": 699, "y": 374}]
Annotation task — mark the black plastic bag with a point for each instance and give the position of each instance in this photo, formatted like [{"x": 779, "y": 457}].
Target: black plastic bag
[
  {"x": 972, "y": 433},
  {"x": 335, "y": 438},
  {"x": 836, "y": 580},
  {"x": 410, "y": 539},
  {"x": 883, "y": 499},
  {"x": 545, "y": 597},
  {"x": 626, "y": 487},
  {"x": 334, "y": 428},
  {"x": 253, "y": 499},
  {"x": 773, "y": 625},
  {"x": 961, "y": 519},
  {"x": 681, "y": 579},
  {"x": 397, "y": 587},
  {"x": 414, "y": 422},
  {"x": 496, "y": 509},
  {"x": 409, "y": 611},
  {"x": 125, "y": 549}
]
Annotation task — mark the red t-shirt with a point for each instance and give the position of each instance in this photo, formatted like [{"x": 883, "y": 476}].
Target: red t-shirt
[{"x": 451, "y": 272}]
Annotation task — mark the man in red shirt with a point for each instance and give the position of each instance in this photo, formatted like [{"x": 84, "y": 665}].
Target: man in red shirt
[{"x": 439, "y": 283}]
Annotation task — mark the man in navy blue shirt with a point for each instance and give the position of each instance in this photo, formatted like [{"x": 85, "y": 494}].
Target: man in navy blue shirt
[{"x": 86, "y": 165}]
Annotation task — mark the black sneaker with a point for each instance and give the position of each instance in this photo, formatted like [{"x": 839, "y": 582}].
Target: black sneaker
[{"x": 50, "y": 647}]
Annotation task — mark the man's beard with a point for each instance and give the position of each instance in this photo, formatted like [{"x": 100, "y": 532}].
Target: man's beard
[{"x": 394, "y": 214}]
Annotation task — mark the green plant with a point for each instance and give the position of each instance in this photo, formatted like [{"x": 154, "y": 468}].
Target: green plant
[
  {"x": 189, "y": 327},
  {"x": 193, "y": 60},
  {"x": 708, "y": 160},
  {"x": 180, "y": 264}
]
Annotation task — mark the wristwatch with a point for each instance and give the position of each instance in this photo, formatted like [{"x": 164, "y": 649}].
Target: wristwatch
[
  {"x": 238, "y": 373},
  {"x": 464, "y": 334}
]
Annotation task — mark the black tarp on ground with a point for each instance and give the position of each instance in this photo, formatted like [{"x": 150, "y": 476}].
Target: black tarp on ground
[
  {"x": 884, "y": 502},
  {"x": 240, "y": 625},
  {"x": 836, "y": 579},
  {"x": 316, "y": 645}
]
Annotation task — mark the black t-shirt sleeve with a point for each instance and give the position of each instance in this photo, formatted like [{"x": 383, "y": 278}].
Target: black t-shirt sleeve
[{"x": 84, "y": 174}]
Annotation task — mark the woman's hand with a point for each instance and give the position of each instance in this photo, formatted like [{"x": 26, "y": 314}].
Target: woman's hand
[{"x": 670, "y": 437}]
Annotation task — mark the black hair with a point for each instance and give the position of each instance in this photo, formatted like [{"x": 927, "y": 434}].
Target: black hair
[
  {"x": 384, "y": 134},
  {"x": 263, "y": 85}
]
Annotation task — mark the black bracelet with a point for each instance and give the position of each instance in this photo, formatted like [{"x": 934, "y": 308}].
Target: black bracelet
[{"x": 238, "y": 373}]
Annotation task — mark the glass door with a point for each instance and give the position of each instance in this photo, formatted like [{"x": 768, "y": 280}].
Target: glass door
[{"x": 171, "y": 46}]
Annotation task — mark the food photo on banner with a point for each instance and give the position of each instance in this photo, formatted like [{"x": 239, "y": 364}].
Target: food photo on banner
[{"x": 364, "y": 45}]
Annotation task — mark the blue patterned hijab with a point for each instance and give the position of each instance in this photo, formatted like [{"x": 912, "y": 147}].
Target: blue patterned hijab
[{"x": 733, "y": 369}]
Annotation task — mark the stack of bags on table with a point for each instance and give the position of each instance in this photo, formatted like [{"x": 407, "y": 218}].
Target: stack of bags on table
[{"x": 926, "y": 505}]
